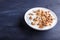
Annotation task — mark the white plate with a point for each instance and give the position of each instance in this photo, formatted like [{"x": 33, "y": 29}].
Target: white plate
[{"x": 35, "y": 27}]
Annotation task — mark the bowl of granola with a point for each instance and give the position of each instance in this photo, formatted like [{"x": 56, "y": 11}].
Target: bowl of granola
[{"x": 40, "y": 18}]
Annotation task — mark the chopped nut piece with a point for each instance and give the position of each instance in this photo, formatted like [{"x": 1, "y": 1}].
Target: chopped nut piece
[
  {"x": 37, "y": 13},
  {"x": 34, "y": 11},
  {"x": 50, "y": 24},
  {"x": 40, "y": 26},
  {"x": 38, "y": 10},
  {"x": 48, "y": 11},
  {"x": 32, "y": 23},
  {"x": 30, "y": 17},
  {"x": 34, "y": 19},
  {"x": 51, "y": 19},
  {"x": 42, "y": 11},
  {"x": 30, "y": 14},
  {"x": 45, "y": 12}
]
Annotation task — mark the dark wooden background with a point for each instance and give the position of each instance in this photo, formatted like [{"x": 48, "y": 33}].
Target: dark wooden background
[{"x": 13, "y": 26}]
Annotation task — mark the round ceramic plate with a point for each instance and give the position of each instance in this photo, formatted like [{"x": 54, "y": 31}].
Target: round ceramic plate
[{"x": 26, "y": 17}]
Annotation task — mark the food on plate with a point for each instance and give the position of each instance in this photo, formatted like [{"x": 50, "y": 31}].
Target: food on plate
[{"x": 41, "y": 18}]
